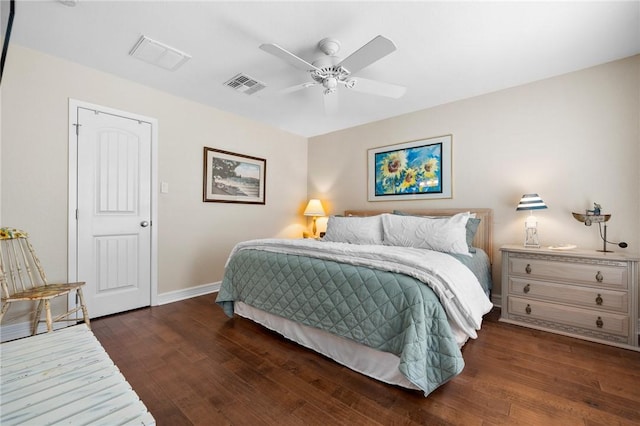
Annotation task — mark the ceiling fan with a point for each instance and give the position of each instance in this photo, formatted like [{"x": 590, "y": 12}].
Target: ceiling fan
[{"x": 330, "y": 71}]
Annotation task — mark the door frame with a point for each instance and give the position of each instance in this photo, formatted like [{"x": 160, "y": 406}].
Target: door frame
[{"x": 72, "y": 239}]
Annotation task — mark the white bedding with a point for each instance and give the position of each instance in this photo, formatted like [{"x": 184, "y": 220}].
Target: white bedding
[{"x": 455, "y": 285}]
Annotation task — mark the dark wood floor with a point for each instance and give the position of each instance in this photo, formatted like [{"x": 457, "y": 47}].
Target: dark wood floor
[{"x": 192, "y": 365}]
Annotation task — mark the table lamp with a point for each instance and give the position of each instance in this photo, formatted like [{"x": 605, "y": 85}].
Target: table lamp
[
  {"x": 531, "y": 202},
  {"x": 314, "y": 209}
]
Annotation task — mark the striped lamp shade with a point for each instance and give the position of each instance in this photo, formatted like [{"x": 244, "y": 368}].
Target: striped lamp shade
[{"x": 531, "y": 202}]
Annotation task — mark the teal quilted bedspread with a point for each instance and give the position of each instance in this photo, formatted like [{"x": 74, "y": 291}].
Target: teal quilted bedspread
[{"x": 384, "y": 310}]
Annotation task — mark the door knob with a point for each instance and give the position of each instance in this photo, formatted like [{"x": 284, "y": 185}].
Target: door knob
[{"x": 144, "y": 223}]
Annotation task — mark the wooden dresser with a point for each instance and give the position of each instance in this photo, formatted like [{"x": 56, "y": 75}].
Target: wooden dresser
[{"x": 579, "y": 293}]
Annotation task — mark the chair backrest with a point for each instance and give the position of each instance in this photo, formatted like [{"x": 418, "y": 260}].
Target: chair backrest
[{"x": 20, "y": 268}]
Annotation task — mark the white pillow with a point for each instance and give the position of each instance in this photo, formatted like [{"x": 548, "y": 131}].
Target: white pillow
[
  {"x": 447, "y": 235},
  {"x": 354, "y": 230}
]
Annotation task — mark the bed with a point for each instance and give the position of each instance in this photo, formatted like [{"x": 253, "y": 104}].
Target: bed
[{"x": 393, "y": 295}]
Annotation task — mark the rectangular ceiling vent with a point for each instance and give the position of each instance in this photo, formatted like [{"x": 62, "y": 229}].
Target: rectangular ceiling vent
[
  {"x": 159, "y": 54},
  {"x": 245, "y": 84}
]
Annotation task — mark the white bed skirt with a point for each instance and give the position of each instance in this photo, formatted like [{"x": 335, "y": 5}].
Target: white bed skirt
[{"x": 379, "y": 365}]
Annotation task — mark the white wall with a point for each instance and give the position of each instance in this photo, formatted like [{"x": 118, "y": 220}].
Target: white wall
[
  {"x": 573, "y": 139},
  {"x": 194, "y": 237}
]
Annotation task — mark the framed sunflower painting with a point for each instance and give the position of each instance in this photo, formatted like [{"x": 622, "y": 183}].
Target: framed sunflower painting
[{"x": 411, "y": 171}]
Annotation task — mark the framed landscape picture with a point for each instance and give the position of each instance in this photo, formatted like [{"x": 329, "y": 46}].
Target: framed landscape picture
[
  {"x": 412, "y": 170},
  {"x": 233, "y": 178}
]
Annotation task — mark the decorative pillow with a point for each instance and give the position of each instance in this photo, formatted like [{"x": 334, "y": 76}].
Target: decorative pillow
[
  {"x": 471, "y": 229},
  {"x": 354, "y": 230},
  {"x": 471, "y": 226},
  {"x": 446, "y": 234}
]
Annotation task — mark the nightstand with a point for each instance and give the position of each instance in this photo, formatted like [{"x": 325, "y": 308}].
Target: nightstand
[{"x": 579, "y": 293}]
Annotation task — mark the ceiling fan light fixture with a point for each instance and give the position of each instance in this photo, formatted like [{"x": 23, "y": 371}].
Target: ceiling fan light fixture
[
  {"x": 351, "y": 83},
  {"x": 330, "y": 83}
]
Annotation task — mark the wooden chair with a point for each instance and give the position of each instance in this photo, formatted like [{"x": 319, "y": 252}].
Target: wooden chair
[{"x": 23, "y": 279}]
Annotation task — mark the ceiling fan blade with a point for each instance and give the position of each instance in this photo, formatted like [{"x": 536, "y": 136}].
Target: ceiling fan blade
[
  {"x": 376, "y": 49},
  {"x": 379, "y": 88},
  {"x": 297, "y": 87},
  {"x": 287, "y": 56},
  {"x": 330, "y": 103}
]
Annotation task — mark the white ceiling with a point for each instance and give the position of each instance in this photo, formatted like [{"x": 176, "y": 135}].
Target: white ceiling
[{"x": 446, "y": 50}]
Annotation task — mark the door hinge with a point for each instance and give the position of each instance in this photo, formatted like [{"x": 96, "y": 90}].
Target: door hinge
[
  {"x": 77, "y": 128},
  {"x": 76, "y": 214}
]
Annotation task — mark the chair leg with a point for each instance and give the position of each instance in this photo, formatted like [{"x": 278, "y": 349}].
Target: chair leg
[
  {"x": 36, "y": 319},
  {"x": 85, "y": 312},
  {"x": 47, "y": 307},
  {"x": 5, "y": 308}
]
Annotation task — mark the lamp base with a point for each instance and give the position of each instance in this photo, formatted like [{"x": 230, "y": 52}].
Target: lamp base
[{"x": 531, "y": 237}]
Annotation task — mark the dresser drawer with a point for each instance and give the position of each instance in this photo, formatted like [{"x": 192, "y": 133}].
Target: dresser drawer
[
  {"x": 592, "y": 274},
  {"x": 593, "y": 298},
  {"x": 601, "y": 322}
]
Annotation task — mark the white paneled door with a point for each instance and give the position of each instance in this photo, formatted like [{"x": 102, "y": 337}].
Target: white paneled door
[{"x": 113, "y": 211}]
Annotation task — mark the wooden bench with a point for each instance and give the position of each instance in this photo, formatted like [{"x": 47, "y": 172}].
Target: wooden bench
[{"x": 65, "y": 377}]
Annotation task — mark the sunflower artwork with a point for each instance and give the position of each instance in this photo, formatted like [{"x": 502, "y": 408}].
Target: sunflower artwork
[{"x": 409, "y": 171}]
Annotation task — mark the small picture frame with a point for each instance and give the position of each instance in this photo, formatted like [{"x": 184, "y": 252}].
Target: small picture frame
[
  {"x": 229, "y": 177},
  {"x": 411, "y": 171}
]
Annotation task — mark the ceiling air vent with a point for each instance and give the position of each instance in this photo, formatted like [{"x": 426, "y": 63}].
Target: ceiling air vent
[
  {"x": 245, "y": 84},
  {"x": 159, "y": 54}
]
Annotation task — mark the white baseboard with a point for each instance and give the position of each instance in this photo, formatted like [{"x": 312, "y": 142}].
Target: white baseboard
[
  {"x": 496, "y": 299},
  {"x": 23, "y": 329},
  {"x": 187, "y": 293}
]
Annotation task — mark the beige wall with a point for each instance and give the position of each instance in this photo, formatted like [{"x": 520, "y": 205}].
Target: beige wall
[
  {"x": 194, "y": 237},
  {"x": 573, "y": 139}
]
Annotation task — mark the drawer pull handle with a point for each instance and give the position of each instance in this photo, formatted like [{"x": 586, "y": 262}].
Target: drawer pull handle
[
  {"x": 527, "y": 288},
  {"x": 599, "y": 322},
  {"x": 599, "y": 277},
  {"x": 528, "y": 309},
  {"x": 599, "y": 300},
  {"x": 528, "y": 269}
]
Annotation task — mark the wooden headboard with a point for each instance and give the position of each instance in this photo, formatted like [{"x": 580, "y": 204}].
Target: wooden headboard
[{"x": 484, "y": 235}]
